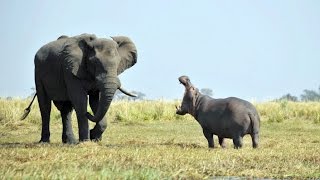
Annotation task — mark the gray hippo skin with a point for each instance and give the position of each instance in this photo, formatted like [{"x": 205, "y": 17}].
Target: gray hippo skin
[{"x": 227, "y": 118}]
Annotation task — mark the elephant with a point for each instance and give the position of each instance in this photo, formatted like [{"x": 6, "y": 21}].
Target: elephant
[
  {"x": 71, "y": 71},
  {"x": 227, "y": 118}
]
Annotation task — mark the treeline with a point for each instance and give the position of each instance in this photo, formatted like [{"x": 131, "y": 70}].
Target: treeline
[
  {"x": 307, "y": 95},
  {"x": 141, "y": 96},
  {"x": 120, "y": 96},
  {"x": 159, "y": 110}
]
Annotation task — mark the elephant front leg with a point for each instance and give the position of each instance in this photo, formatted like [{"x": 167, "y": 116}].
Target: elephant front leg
[
  {"x": 83, "y": 126},
  {"x": 209, "y": 137},
  {"x": 80, "y": 106},
  {"x": 101, "y": 126},
  {"x": 79, "y": 100}
]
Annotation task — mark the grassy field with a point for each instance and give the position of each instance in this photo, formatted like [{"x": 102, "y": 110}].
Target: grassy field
[{"x": 146, "y": 140}]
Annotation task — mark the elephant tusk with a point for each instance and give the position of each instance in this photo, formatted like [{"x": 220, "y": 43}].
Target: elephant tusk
[{"x": 126, "y": 92}]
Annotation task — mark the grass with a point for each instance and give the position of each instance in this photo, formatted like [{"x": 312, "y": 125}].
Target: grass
[{"x": 146, "y": 140}]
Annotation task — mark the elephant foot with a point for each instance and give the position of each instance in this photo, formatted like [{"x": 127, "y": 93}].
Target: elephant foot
[
  {"x": 83, "y": 141},
  {"x": 44, "y": 141},
  {"x": 68, "y": 139},
  {"x": 96, "y": 139},
  {"x": 95, "y": 135}
]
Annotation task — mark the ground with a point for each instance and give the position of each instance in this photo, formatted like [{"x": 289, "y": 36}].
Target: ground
[{"x": 160, "y": 149}]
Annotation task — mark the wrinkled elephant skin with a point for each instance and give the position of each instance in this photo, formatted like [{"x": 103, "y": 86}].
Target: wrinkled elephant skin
[{"x": 72, "y": 71}]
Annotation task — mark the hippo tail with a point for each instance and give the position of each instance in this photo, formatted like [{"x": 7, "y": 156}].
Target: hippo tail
[{"x": 255, "y": 122}]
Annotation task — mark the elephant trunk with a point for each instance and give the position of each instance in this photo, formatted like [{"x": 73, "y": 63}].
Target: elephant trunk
[{"x": 107, "y": 87}]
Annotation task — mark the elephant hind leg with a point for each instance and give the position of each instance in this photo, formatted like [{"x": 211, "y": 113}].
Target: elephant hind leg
[{"x": 45, "y": 110}]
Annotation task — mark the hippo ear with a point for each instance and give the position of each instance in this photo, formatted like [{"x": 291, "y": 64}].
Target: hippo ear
[{"x": 197, "y": 92}]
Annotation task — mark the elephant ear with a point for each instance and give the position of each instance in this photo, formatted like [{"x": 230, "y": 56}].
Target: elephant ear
[
  {"x": 127, "y": 51},
  {"x": 76, "y": 52}
]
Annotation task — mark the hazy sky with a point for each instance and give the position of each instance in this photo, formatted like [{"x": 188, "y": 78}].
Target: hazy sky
[{"x": 256, "y": 50}]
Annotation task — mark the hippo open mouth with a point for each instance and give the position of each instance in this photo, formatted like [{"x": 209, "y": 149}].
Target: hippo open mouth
[
  {"x": 189, "y": 97},
  {"x": 185, "y": 81}
]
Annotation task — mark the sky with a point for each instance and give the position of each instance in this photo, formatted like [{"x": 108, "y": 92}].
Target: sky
[{"x": 255, "y": 50}]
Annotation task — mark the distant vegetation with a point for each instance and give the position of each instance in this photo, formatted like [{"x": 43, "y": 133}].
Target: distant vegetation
[
  {"x": 162, "y": 110},
  {"x": 207, "y": 91},
  {"x": 307, "y": 95},
  {"x": 120, "y": 96}
]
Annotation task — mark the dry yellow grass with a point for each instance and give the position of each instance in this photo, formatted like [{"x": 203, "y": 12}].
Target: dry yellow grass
[{"x": 146, "y": 140}]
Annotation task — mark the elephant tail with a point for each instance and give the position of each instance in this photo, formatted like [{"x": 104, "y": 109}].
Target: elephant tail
[
  {"x": 28, "y": 109},
  {"x": 255, "y": 122}
]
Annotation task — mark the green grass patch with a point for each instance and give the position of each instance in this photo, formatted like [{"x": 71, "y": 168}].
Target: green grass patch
[{"x": 148, "y": 141}]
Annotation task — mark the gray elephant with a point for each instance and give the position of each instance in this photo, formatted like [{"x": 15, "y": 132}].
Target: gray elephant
[
  {"x": 227, "y": 118},
  {"x": 72, "y": 70}
]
